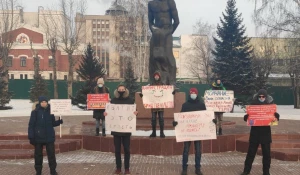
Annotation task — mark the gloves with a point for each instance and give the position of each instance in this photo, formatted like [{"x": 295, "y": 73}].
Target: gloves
[
  {"x": 174, "y": 92},
  {"x": 246, "y": 117},
  {"x": 60, "y": 121},
  {"x": 141, "y": 95},
  {"x": 215, "y": 121},
  {"x": 277, "y": 115},
  {"x": 175, "y": 123},
  {"x": 32, "y": 142}
]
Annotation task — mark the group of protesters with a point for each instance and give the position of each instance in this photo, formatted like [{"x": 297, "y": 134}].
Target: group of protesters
[{"x": 41, "y": 129}]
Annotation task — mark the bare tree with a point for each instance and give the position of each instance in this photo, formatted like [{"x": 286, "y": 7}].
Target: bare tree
[
  {"x": 200, "y": 53},
  {"x": 51, "y": 34},
  {"x": 64, "y": 28},
  {"x": 132, "y": 36},
  {"x": 281, "y": 17},
  {"x": 264, "y": 57},
  {"x": 9, "y": 20}
]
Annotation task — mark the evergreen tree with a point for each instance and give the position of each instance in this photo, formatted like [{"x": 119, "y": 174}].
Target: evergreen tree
[
  {"x": 232, "y": 53},
  {"x": 38, "y": 88},
  {"x": 5, "y": 95},
  {"x": 90, "y": 69},
  {"x": 130, "y": 81}
]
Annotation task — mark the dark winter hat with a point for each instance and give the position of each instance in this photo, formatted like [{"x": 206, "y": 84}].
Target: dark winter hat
[
  {"x": 42, "y": 98},
  {"x": 193, "y": 90},
  {"x": 262, "y": 92}
]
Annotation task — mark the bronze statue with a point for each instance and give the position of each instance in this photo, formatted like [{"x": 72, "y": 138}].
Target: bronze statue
[{"x": 163, "y": 21}]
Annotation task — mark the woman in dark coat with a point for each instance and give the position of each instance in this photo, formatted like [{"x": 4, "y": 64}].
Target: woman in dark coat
[
  {"x": 98, "y": 113},
  {"x": 41, "y": 133},
  {"x": 122, "y": 97},
  {"x": 260, "y": 135}
]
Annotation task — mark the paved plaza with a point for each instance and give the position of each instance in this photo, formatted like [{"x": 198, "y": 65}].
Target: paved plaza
[{"x": 97, "y": 163}]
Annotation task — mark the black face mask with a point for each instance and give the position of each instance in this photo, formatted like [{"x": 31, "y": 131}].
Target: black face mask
[{"x": 121, "y": 93}]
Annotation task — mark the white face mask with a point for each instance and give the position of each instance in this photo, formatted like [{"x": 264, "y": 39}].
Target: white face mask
[
  {"x": 262, "y": 99},
  {"x": 100, "y": 85},
  {"x": 156, "y": 78},
  {"x": 193, "y": 96}
]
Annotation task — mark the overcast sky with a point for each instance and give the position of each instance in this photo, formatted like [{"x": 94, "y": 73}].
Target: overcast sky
[{"x": 189, "y": 11}]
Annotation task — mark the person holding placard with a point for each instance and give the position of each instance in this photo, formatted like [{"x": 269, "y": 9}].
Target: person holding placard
[
  {"x": 41, "y": 133},
  {"x": 217, "y": 85},
  {"x": 193, "y": 104},
  {"x": 260, "y": 135},
  {"x": 157, "y": 111},
  {"x": 98, "y": 113},
  {"x": 122, "y": 97}
]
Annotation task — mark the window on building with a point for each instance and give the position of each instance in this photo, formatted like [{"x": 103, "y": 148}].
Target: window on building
[
  {"x": 50, "y": 76},
  {"x": 21, "y": 76},
  {"x": 50, "y": 61},
  {"x": 9, "y": 61},
  {"x": 26, "y": 76},
  {"x": 65, "y": 77},
  {"x": 12, "y": 76},
  {"x": 23, "y": 61},
  {"x": 77, "y": 78}
]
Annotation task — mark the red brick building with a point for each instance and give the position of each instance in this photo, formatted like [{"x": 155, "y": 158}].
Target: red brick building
[{"x": 20, "y": 60}]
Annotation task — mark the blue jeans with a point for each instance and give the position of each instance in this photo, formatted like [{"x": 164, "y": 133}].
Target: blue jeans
[{"x": 185, "y": 156}]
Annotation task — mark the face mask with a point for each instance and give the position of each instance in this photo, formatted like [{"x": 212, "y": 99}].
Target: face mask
[
  {"x": 156, "y": 78},
  {"x": 261, "y": 99},
  {"x": 193, "y": 96},
  {"x": 100, "y": 85},
  {"x": 121, "y": 93}
]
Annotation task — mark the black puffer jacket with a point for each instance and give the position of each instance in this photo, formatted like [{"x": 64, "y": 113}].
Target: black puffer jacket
[
  {"x": 125, "y": 99},
  {"x": 261, "y": 134},
  {"x": 41, "y": 125},
  {"x": 193, "y": 105}
]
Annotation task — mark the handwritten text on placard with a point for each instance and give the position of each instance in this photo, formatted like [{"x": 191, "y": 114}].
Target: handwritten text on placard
[
  {"x": 219, "y": 100},
  {"x": 196, "y": 125},
  {"x": 120, "y": 118},
  {"x": 61, "y": 106},
  {"x": 158, "y": 96}
]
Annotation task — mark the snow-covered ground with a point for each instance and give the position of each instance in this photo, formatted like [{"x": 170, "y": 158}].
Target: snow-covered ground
[{"x": 23, "y": 108}]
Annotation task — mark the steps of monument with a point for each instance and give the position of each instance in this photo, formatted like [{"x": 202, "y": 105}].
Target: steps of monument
[
  {"x": 283, "y": 147},
  {"x": 18, "y": 147}
]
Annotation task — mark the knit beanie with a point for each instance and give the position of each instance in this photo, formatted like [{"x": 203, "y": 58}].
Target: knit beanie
[
  {"x": 42, "y": 98},
  {"x": 193, "y": 90}
]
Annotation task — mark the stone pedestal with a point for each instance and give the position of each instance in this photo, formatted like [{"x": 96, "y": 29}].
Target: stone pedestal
[{"x": 179, "y": 99}]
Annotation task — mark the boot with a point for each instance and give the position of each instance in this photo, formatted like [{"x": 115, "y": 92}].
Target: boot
[
  {"x": 220, "y": 131},
  {"x": 198, "y": 172},
  {"x": 153, "y": 131},
  {"x": 103, "y": 132},
  {"x": 97, "y": 132},
  {"x": 184, "y": 172},
  {"x": 53, "y": 172},
  {"x": 162, "y": 135},
  {"x": 127, "y": 171},
  {"x": 118, "y": 171},
  {"x": 38, "y": 170}
]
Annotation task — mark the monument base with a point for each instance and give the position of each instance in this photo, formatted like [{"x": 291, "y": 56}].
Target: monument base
[{"x": 179, "y": 99}]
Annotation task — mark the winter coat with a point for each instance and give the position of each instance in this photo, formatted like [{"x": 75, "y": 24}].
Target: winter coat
[
  {"x": 121, "y": 100},
  {"x": 41, "y": 125},
  {"x": 261, "y": 134},
  {"x": 98, "y": 113},
  {"x": 215, "y": 86},
  {"x": 193, "y": 105}
]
